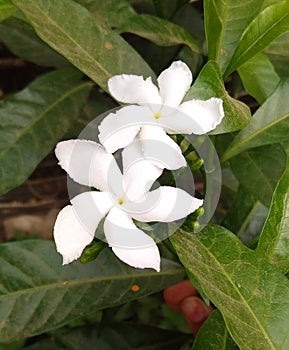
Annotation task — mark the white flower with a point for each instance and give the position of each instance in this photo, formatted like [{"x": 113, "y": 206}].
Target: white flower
[
  {"x": 157, "y": 111},
  {"x": 120, "y": 199}
]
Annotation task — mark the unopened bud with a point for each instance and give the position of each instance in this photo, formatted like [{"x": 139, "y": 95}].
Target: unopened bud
[{"x": 91, "y": 251}]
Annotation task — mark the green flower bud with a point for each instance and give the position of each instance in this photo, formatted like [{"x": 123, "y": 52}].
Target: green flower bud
[{"x": 91, "y": 251}]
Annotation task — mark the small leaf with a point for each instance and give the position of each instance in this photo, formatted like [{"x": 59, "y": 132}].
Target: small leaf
[
  {"x": 274, "y": 240},
  {"x": 213, "y": 335},
  {"x": 33, "y": 120},
  {"x": 259, "y": 77},
  {"x": 249, "y": 292},
  {"x": 266, "y": 26},
  {"x": 22, "y": 40},
  {"x": 225, "y": 22},
  {"x": 260, "y": 168},
  {"x": 38, "y": 294},
  {"x": 209, "y": 83},
  {"x": 7, "y": 9},
  {"x": 99, "y": 55},
  {"x": 270, "y": 124}
]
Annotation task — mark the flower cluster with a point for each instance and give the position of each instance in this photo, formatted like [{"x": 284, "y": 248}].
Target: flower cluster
[{"x": 121, "y": 197}]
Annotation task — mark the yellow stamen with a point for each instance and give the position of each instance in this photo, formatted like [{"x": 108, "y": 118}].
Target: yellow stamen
[
  {"x": 157, "y": 115},
  {"x": 120, "y": 201}
]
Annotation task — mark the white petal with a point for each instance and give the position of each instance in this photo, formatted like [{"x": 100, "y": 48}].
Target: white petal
[
  {"x": 119, "y": 129},
  {"x": 160, "y": 149},
  {"x": 91, "y": 207},
  {"x": 175, "y": 121},
  {"x": 140, "y": 258},
  {"x": 174, "y": 82},
  {"x": 69, "y": 235},
  {"x": 129, "y": 88},
  {"x": 205, "y": 115},
  {"x": 129, "y": 243},
  {"x": 165, "y": 204},
  {"x": 87, "y": 163},
  {"x": 139, "y": 173}
]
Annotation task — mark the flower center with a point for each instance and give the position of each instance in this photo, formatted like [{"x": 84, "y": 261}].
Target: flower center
[
  {"x": 157, "y": 115},
  {"x": 120, "y": 201}
]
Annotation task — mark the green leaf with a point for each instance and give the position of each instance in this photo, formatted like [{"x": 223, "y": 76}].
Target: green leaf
[
  {"x": 267, "y": 3},
  {"x": 150, "y": 27},
  {"x": 33, "y": 120},
  {"x": 95, "y": 51},
  {"x": 115, "y": 336},
  {"x": 246, "y": 216},
  {"x": 278, "y": 53},
  {"x": 213, "y": 335},
  {"x": 22, "y": 40},
  {"x": 209, "y": 83},
  {"x": 249, "y": 292},
  {"x": 270, "y": 124},
  {"x": 97, "y": 103},
  {"x": 124, "y": 336},
  {"x": 266, "y": 26},
  {"x": 47, "y": 344},
  {"x": 100, "y": 8},
  {"x": 260, "y": 168},
  {"x": 119, "y": 16},
  {"x": 7, "y": 9},
  {"x": 274, "y": 240},
  {"x": 39, "y": 294},
  {"x": 225, "y": 21},
  {"x": 259, "y": 77}
]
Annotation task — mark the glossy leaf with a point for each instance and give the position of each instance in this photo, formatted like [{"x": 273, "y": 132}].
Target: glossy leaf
[
  {"x": 7, "y": 9},
  {"x": 214, "y": 335},
  {"x": 208, "y": 84},
  {"x": 33, "y": 120},
  {"x": 99, "y": 55},
  {"x": 266, "y": 26},
  {"x": 270, "y": 124},
  {"x": 249, "y": 292},
  {"x": 22, "y": 40},
  {"x": 274, "y": 240},
  {"x": 39, "y": 294},
  {"x": 259, "y": 77},
  {"x": 225, "y": 21},
  {"x": 258, "y": 170},
  {"x": 278, "y": 53},
  {"x": 114, "y": 336}
]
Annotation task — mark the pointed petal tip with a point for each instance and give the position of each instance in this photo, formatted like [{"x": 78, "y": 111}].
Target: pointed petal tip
[
  {"x": 196, "y": 204},
  {"x": 146, "y": 258}
]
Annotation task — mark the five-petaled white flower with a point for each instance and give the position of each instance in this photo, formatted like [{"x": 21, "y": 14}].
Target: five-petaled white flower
[
  {"x": 155, "y": 112},
  {"x": 120, "y": 199}
]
